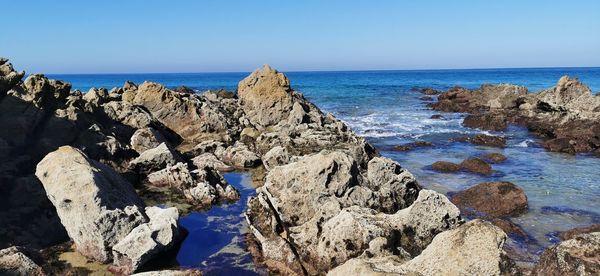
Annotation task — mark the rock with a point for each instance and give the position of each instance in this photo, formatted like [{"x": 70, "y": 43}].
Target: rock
[
  {"x": 9, "y": 78},
  {"x": 202, "y": 187},
  {"x": 187, "y": 272},
  {"x": 426, "y": 98},
  {"x": 436, "y": 117},
  {"x": 474, "y": 248},
  {"x": 184, "y": 90},
  {"x": 495, "y": 157},
  {"x": 486, "y": 121},
  {"x": 428, "y": 91},
  {"x": 476, "y": 165},
  {"x": 412, "y": 145},
  {"x": 443, "y": 166},
  {"x": 397, "y": 187},
  {"x": 569, "y": 234},
  {"x": 511, "y": 229},
  {"x": 155, "y": 159},
  {"x": 277, "y": 156},
  {"x": 96, "y": 96},
  {"x": 97, "y": 207},
  {"x": 210, "y": 160},
  {"x": 239, "y": 155},
  {"x": 494, "y": 199},
  {"x": 15, "y": 261},
  {"x": 577, "y": 256},
  {"x": 146, "y": 138},
  {"x": 129, "y": 86},
  {"x": 487, "y": 140},
  {"x": 128, "y": 114},
  {"x": 265, "y": 96},
  {"x": 147, "y": 240}
]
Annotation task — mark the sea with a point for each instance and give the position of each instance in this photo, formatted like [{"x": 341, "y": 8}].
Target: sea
[{"x": 563, "y": 190}]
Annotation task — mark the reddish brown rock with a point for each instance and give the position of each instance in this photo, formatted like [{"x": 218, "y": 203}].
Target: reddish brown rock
[
  {"x": 486, "y": 121},
  {"x": 493, "y": 199},
  {"x": 488, "y": 140},
  {"x": 510, "y": 228},
  {"x": 476, "y": 165},
  {"x": 444, "y": 166},
  {"x": 494, "y": 157},
  {"x": 569, "y": 234}
]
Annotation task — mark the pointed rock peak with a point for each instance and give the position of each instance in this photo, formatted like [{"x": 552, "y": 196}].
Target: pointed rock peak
[{"x": 566, "y": 82}]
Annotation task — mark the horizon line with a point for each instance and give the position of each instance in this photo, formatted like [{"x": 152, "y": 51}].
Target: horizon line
[{"x": 332, "y": 71}]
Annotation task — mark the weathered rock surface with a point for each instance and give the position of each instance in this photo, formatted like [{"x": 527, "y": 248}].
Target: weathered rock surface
[
  {"x": 487, "y": 140},
  {"x": 239, "y": 155},
  {"x": 493, "y": 199},
  {"x": 96, "y": 206},
  {"x": 443, "y": 166},
  {"x": 566, "y": 116},
  {"x": 147, "y": 240},
  {"x": 147, "y": 138},
  {"x": 15, "y": 261},
  {"x": 476, "y": 165},
  {"x": 569, "y": 234},
  {"x": 577, "y": 256},
  {"x": 474, "y": 248},
  {"x": 495, "y": 157},
  {"x": 155, "y": 159}
]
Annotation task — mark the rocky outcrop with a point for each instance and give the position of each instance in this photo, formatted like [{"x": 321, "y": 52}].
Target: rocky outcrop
[
  {"x": 495, "y": 157},
  {"x": 155, "y": 159},
  {"x": 566, "y": 116},
  {"x": 16, "y": 261},
  {"x": 472, "y": 165},
  {"x": 493, "y": 199},
  {"x": 569, "y": 234},
  {"x": 475, "y": 248},
  {"x": 577, "y": 256},
  {"x": 102, "y": 213}
]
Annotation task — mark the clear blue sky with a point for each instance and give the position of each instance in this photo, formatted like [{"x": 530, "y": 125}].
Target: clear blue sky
[{"x": 94, "y": 36}]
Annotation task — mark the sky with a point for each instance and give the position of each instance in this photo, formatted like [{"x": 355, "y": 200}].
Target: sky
[{"x": 141, "y": 36}]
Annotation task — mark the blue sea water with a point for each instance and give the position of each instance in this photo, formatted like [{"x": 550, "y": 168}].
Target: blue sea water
[{"x": 563, "y": 190}]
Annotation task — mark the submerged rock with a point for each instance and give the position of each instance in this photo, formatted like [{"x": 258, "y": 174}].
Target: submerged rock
[
  {"x": 476, "y": 165},
  {"x": 577, "y": 256},
  {"x": 569, "y": 234},
  {"x": 486, "y": 121},
  {"x": 494, "y": 199},
  {"x": 495, "y": 157},
  {"x": 443, "y": 166}
]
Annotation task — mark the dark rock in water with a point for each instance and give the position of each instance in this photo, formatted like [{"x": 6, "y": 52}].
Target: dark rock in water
[
  {"x": 426, "y": 98},
  {"x": 443, "y": 166},
  {"x": 567, "y": 116},
  {"x": 494, "y": 199},
  {"x": 494, "y": 157},
  {"x": 436, "y": 117},
  {"x": 410, "y": 146},
  {"x": 486, "y": 121},
  {"x": 487, "y": 140},
  {"x": 184, "y": 90},
  {"x": 577, "y": 256},
  {"x": 511, "y": 229},
  {"x": 476, "y": 165},
  {"x": 569, "y": 234},
  {"x": 593, "y": 216},
  {"x": 427, "y": 91}
]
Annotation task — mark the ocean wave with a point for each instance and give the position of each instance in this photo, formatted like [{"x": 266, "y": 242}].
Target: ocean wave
[{"x": 525, "y": 143}]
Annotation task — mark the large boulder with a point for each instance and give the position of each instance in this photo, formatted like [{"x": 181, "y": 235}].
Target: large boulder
[
  {"x": 577, "y": 256},
  {"x": 475, "y": 248},
  {"x": 8, "y": 76},
  {"x": 265, "y": 96},
  {"x": 147, "y": 138},
  {"x": 493, "y": 199},
  {"x": 155, "y": 159},
  {"x": 97, "y": 207}
]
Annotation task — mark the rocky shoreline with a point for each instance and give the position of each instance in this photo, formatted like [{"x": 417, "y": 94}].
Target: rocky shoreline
[{"x": 73, "y": 166}]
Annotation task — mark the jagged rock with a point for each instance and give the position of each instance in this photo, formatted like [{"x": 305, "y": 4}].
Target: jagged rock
[
  {"x": 239, "y": 155},
  {"x": 488, "y": 140},
  {"x": 210, "y": 160},
  {"x": 128, "y": 114},
  {"x": 129, "y": 86},
  {"x": 8, "y": 76},
  {"x": 494, "y": 199},
  {"x": 15, "y": 261},
  {"x": 184, "y": 90},
  {"x": 569, "y": 234},
  {"x": 577, "y": 256},
  {"x": 443, "y": 166},
  {"x": 146, "y": 138},
  {"x": 265, "y": 96},
  {"x": 187, "y": 272},
  {"x": 476, "y": 165},
  {"x": 96, "y": 96},
  {"x": 155, "y": 159},
  {"x": 474, "y": 248},
  {"x": 95, "y": 204},
  {"x": 277, "y": 156},
  {"x": 201, "y": 187},
  {"x": 147, "y": 240},
  {"x": 397, "y": 188}
]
